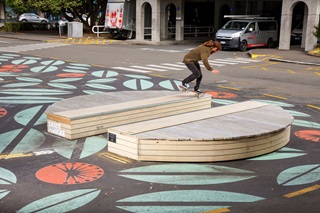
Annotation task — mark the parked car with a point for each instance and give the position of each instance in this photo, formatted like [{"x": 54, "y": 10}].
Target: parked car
[
  {"x": 31, "y": 17},
  {"x": 247, "y": 32}
]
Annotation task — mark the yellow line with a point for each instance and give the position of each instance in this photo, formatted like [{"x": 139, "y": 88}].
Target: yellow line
[
  {"x": 313, "y": 106},
  {"x": 116, "y": 158},
  {"x": 291, "y": 71},
  {"x": 302, "y": 191},
  {"x": 80, "y": 40},
  {"x": 218, "y": 210},
  {"x": 232, "y": 88},
  {"x": 15, "y": 156},
  {"x": 264, "y": 68},
  {"x": 275, "y": 96},
  {"x": 155, "y": 75},
  {"x": 104, "y": 41},
  {"x": 97, "y": 65},
  {"x": 317, "y": 73}
]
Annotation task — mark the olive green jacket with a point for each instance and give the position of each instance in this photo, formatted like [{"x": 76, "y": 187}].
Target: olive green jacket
[{"x": 197, "y": 54}]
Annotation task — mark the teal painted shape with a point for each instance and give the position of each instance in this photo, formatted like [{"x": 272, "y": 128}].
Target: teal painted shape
[
  {"x": 92, "y": 92},
  {"x": 101, "y": 86},
  {"x": 64, "y": 148},
  {"x": 53, "y": 62},
  {"x": 31, "y": 141},
  {"x": 111, "y": 74},
  {"x": 299, "y": 175},
  {"x": 298, "y": 114},
  {"x": 193, "y": 196},
  {"x": 220, "y": 174},
  {"x": 288, "y": 149},
  {"x": 277, "y": 103},
  {"x": 3, "y": 193},
  {"x": 44, "y": 69},
  {"x": 62, "y": 86},
  {"x": 1, "y": 79},
  {"x": 167, "y": 209},
  {"x": 169, "y": 168},
  {"x": 7, "y": 138},
  {"x": 62, "y": 202},
  {"x": 138, "y": 76},
  {"x": 80, "y": 65},
  {"x": 103, "y": 80},
  {"x": 7, "y": 74},
  {"x": 24, "y": 117},
  {"x": 282, "y": 153},
  {"x": 167, "y": 85},
  {"x": 92, "y": 145},
  {"x": 131, "y": 84},
  {"x": 146, "y": 84},
  {"x": 98, "y": 74},
  {"x": 190, "y": 179},
  {"x": 308, "y": 124},
  {"x": 9, "y": 55},
  {"x": 29, "y": 79},
  {"x": 31, "y": 92},
  {"x": 7, "y": 177},
  {"x": 73, "y": 71},
  {"x": 77, "y": 67},
  {"x": 24, "y": 61},
  {"x": 170, "y": 85},
  {"x": 20, "y": 85},
  {"x": 62, "y": 80},
  {"x": 223, "y": 102},
  {"x": 28, "y": 100},
  {"x": 32, "y": 58}
]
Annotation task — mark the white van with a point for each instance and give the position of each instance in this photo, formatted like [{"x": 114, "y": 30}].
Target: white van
[{"x": 246, "y": 32}]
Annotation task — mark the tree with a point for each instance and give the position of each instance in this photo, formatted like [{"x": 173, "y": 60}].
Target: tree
[{"x": 91, "y": 8}]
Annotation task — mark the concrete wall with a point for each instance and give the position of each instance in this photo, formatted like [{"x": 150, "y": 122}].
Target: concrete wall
[{"x": 311, "y": 19}]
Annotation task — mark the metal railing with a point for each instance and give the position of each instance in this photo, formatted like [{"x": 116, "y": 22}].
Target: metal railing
[{"x": 189, "y": 30}]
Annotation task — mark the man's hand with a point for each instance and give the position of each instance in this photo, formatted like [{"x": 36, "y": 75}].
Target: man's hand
[{"x": 215, "y": 72}]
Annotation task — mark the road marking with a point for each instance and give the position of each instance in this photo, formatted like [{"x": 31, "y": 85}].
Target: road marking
[
  {"x": 218, "y": 210},
  {"x": 317, "y": 73},
  {"x": 28, "y": 47},
  {"x": 6, "y": 42},
  {"x": 275, "y": 96},
  {"x": 18, "y": 155},
  {"x": 129, "y": 69},
  {"x": 232, "y": 88},
  {"x": 290, "y": 71},
  {"x": 302, "y": 191},
  {"x": 163, "y": 67},
  {"x": 312, "y": 106},
  {"x": 148, "y": 68},
  {"x": 117, "y": 158}
]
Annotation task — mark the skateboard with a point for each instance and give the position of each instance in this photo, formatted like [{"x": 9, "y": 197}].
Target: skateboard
[{"x": 197, "y": 94}]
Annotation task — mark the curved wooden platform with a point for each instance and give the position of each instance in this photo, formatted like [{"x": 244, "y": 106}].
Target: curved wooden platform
[
  {"x": 186, "y": 129},
  {"x": 223, "y": 133}
]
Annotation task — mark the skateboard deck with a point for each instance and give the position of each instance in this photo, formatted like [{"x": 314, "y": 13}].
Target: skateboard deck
[{"x": 197, "y": 94}]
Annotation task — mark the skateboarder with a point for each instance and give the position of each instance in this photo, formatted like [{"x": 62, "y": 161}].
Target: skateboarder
[{"x": 191, "y": 60}]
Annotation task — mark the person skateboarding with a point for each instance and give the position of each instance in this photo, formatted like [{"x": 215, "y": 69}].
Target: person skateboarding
[{"x": 191, "y": 60}]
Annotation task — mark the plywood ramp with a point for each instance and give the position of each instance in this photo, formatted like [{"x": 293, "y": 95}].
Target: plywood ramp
[
  {"x": 88, "y": 121},
  {"x": 223, "y": 133}
]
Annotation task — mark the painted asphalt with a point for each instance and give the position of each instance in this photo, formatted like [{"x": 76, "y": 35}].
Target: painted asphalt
[{"x": 43, "y": 173}]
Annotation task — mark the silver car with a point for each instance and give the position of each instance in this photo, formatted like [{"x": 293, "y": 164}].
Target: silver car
[{"x": 31, "y": 17}]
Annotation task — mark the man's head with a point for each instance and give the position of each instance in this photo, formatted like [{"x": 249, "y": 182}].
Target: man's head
[{"x": 216, "y": 46}]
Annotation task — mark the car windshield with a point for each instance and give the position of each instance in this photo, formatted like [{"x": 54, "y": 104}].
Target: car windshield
[{"x": 235, "y": 25}]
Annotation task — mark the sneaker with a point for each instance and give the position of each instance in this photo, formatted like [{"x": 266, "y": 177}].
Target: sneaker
[
  {"x": 184, "y": 85},
  {"x": 199, "y": 91}
]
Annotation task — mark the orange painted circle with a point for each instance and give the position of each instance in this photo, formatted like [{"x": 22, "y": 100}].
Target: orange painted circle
[
  {"x": 69, "y": 173},
  {"x": 309, "y": 135},
  {"x": 12, "y": 68},
  {"x": 222, "y": 95},
  {"x": 71, "y": 75},
  {"x": 3, "y": 112}
]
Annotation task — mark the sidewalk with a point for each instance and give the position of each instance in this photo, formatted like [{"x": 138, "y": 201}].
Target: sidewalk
[{"x": 294, "y": 55}]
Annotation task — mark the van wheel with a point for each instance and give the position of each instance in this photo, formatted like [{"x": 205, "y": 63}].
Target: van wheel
[
  {"x": 270, "y": 43},
  {"x": 243, "y": 45}
]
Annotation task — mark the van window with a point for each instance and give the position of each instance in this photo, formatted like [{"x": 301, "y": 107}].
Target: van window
[
  {"x": 251, "y": 27},
  {"x": 235, "y": 25},
  {"x": 267, "y": 25}
]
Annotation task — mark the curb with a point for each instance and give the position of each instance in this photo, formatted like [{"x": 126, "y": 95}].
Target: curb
[{"x": 294, "y": 62}]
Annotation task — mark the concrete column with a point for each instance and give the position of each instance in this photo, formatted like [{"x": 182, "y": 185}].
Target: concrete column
[
  {"x": 139, "y": 20},
  {"x": 312, "y": 21},
  {"x": 164, "y": 20},
  {"x": 180, "y": 20},
  {"x": 286, "y": 22},
  {"x": 156, "y": 10}
]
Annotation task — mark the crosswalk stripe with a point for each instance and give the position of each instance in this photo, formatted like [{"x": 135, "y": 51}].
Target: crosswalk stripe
[
  {"x": 234, "y": 60},
  {"x": 129, "y": 69},
  {"x": 163, "y": 67},
  {"x": 28, "y": 47},
  {"x": 222, "y": 62},
  {"x": 148, "y": 68},
  {"x": 175, "y": 65}
]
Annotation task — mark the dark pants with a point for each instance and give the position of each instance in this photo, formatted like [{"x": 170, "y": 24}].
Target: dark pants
[{"x": 196, "y": 74}]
